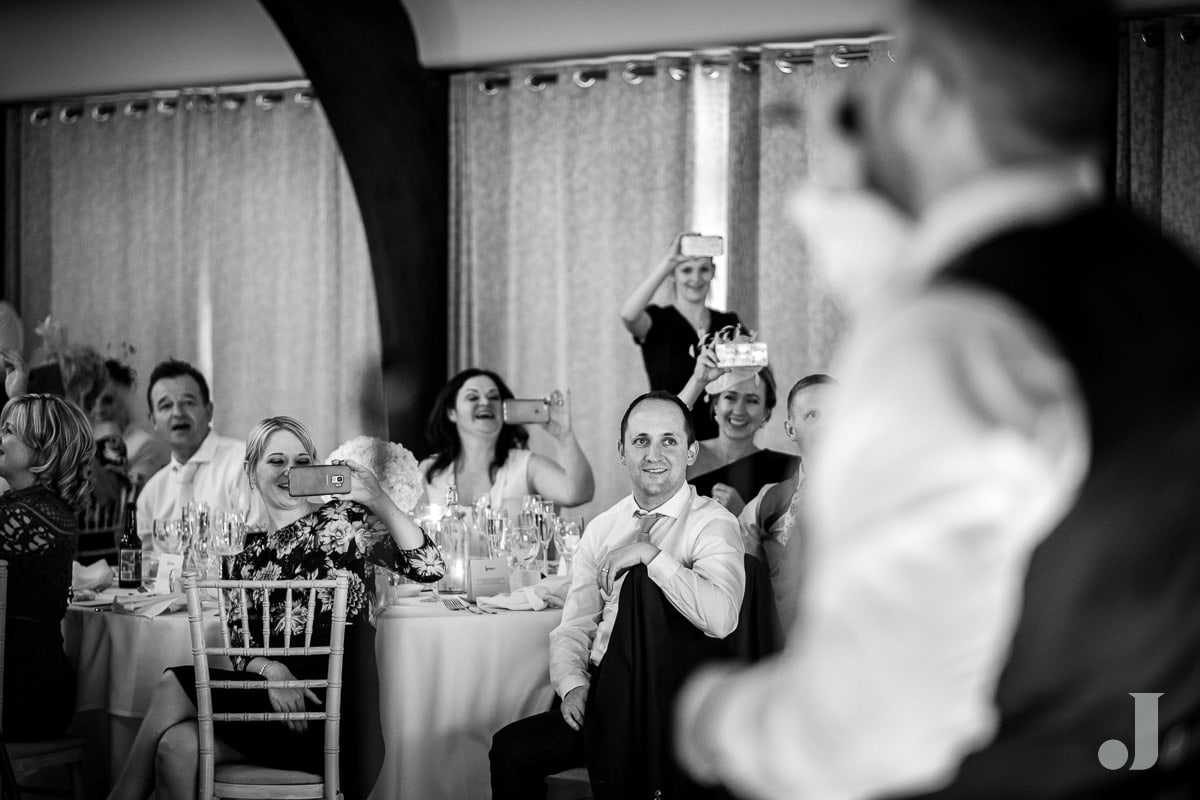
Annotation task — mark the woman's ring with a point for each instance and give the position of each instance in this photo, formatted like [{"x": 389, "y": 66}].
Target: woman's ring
[{"x": 604, "y": 570}]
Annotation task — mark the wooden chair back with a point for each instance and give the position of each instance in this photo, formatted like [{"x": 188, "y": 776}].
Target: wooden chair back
[
  {"x": 100, "y": 529},
  {"x": 275, "y": 640}
]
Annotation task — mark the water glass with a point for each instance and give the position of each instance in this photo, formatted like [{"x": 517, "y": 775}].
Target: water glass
[
  {"x": 524, "y": 541},
  {"x": 169, "y": 535}
]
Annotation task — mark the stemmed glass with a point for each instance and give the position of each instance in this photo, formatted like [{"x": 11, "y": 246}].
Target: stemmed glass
[
  {"x": 547, "y": 520},
  {"x": 495, "y": 529},
  {"x": 570, "y": 532},
  {"x": 228, "y": 537}
]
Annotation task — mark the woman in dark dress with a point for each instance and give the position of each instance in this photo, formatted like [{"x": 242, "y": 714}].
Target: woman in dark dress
[
  {"x": 304, "y": 539},
  {"x": 669, "y": 335},
  {"x": 730, "y": 467},
  {"x": 45, "y": 455}
]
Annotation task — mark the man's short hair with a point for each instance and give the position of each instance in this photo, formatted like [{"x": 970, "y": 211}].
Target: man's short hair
[
  {"x": 174, "y": 368},
  {"x": 1037, "y": 72},
  {"x": 120, "y": 373},
  {"x": 659, "y": 394}
]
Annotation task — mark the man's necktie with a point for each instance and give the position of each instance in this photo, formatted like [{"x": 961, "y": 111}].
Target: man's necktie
[
  {"x": 645, "y": 523},
  {"x": 186, "y": 475}
]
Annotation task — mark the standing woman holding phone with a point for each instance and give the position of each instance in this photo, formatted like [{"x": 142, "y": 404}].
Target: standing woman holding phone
[{"x": 669, "y": 335}]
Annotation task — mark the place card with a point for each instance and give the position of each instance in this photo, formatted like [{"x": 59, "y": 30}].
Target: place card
[
  {"x": 170, "y": 572},
  {"x": 486, "y": 577}
]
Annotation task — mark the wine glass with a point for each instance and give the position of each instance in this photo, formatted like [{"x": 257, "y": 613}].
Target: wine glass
[
  {"x": 546, "y": 523},
  {"x": 496, "y": 528},
  {"x": 570, "y": 532},
  {"x": 228, "y": 537}
]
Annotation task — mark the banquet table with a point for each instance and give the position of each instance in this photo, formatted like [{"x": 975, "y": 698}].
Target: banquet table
[{"x": 448, "y": 681}]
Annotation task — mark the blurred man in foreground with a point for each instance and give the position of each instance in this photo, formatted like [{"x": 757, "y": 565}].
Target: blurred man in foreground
[{"x": 1004, "y": 542}]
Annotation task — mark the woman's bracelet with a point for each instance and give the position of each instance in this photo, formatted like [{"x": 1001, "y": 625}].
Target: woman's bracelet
[{"x": 263, "y": 669}]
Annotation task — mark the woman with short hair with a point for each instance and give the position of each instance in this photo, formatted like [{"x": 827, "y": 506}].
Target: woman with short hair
[{"x": 46, "y": 451}]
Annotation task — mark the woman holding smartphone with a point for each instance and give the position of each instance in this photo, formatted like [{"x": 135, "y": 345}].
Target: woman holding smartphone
[
  {"x": 480, "y": 454},
  {"x": 669, "y": 335},
  {"x": 305, "y": 539}
]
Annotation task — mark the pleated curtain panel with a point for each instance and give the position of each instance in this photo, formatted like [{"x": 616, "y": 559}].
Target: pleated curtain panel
[
  {"x": 218, "y": 229},
  {"x": 1158, "y": 124}
]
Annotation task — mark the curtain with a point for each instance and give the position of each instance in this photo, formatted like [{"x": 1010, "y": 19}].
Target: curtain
[
  {"x": 223, "y": 231},
  {"x": 562, "y": 200},
  {"x": 1158, "y": 124},
  {"x": 772, "y": 283}
]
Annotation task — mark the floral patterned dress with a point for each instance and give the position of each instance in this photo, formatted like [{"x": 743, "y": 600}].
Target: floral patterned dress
[{"x": 339, "y": 535}]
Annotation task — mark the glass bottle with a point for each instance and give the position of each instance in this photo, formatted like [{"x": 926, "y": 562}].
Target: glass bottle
[
  {"x": 129, "y": 552},
  {"x": 455, "y": 543}
]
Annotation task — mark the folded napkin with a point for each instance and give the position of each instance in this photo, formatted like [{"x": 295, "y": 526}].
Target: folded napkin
[
  {"x": 150, "y": 605},
  {"x": 548, "y": 592},
  {"x": 95, "y": 577}
]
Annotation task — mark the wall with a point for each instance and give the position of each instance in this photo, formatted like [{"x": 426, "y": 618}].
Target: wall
[{"x": 56, "y": 48}]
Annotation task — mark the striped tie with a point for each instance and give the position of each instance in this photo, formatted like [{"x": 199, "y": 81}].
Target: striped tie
[{"x": 645, "y": 523}]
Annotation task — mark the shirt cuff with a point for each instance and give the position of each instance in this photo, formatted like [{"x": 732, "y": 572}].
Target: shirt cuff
[
  {"x": 662, "y": 567},
  {"x": 571, "y": 682}
]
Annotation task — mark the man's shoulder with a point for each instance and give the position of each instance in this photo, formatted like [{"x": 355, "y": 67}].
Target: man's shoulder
[
  {"x": 227, "y": 447},
  {"x": 702, "y": 510},
  {"x": 622, "y": 508}
]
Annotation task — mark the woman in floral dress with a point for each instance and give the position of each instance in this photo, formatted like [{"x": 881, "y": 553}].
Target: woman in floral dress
[{"x": 304, "y": 540}]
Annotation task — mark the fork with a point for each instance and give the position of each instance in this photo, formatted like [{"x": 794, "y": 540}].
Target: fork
[{"x": 455, "y": 604}]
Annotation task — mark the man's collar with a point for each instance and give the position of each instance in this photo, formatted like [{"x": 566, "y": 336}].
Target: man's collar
[
  {"x": 671, "y": 508},
  {"x": 204, "y": 453},
  {"x": 997, "y": 201}
]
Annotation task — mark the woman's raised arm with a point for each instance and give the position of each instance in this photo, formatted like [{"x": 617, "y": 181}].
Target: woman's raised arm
[
  {"x": 568, "y": 481},
  {"x": 633, "y": 310}
]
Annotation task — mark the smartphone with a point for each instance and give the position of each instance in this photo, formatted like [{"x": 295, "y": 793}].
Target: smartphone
[
  {"x": 696, "y": 245},
  {"x": 741, "y": 354},
  {"x": 526, "y": 412},
  {"x": 319, "y": 479}
]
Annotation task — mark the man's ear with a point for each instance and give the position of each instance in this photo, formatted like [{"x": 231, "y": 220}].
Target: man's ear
[
  {"x": 621, "y": 450},
  {"x": 693, "y": 451},
  {"x": 789, "y": 430}
]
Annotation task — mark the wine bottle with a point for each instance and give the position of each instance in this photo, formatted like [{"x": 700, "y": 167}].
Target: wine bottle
[{"x": 129, "y": 552}]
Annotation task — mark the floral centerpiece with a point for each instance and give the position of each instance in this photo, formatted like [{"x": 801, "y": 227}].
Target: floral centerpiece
[{"x": 393, "y": 464}]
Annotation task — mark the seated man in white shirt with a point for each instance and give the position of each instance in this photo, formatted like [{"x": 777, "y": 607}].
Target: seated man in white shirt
[
  {"x": 205, "y": 466},
  {"x": 692, "y": 551}
]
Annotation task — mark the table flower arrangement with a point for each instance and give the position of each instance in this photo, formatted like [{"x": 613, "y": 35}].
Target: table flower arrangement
[{"x": 393, "y": 464}]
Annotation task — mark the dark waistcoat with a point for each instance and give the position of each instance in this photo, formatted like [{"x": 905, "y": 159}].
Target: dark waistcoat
[{"x": 1111, "y": 598}]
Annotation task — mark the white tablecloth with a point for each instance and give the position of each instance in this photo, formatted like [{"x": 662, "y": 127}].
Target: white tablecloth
[
  {"x": 118, "y": 660},
  {"x": 448, "y": 681}
]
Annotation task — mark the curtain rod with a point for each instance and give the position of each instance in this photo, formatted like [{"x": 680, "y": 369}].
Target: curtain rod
[
  {"x": 166, "y": 102},
  {"x": 637, "y": 68},
  {"x": 187, "y": 91}
]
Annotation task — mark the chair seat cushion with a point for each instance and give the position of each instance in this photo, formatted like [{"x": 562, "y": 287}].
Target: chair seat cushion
[{"x": 242, "y": 772}]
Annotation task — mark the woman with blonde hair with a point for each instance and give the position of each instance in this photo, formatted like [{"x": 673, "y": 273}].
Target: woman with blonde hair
[
  {"x": 46, "y": 454},
  {"x": 305, "y": 539}
]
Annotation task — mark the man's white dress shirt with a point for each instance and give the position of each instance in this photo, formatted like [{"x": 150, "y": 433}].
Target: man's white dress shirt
[
  {"x": 700, "y": 570},
  {"x": 958, "y": 442},
  {"x": 212, "y": 475}
]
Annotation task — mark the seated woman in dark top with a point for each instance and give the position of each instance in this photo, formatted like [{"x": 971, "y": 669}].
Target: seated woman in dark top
[
  {"x": 731, "y": 468},
  {"x": 304, "y": 540},
  {"x": 45, "y": 454},
  {"x": 669, "y": 335}
]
